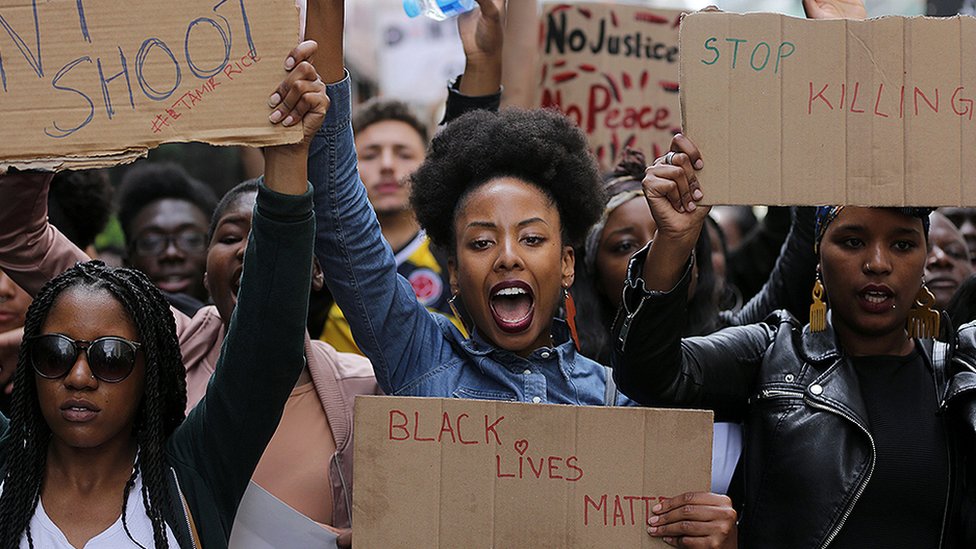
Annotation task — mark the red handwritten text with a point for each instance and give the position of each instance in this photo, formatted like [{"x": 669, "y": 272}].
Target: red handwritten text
[
  {"x": 618, "y": 510},
  {"x": 453, "y": 429}
]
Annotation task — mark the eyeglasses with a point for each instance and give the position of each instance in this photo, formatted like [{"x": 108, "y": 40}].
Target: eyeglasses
[
  {"x": 154, "y": 243},
  {"x": 110, "y": 358}
]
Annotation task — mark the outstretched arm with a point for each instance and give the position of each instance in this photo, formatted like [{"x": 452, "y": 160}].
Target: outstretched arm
[
  {"x": 32, "y": 251},
  {"x": 482, "y": 36},
  {"x": 399, "y": 336},
  {"x": 263, "y": 353}
]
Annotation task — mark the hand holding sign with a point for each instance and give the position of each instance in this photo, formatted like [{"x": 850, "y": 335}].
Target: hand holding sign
[
  {"x": 835, "y": 9},
  {"x": 695, "y": 519}
]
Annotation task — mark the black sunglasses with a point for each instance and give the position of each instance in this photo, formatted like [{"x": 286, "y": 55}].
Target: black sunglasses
[{"x": 110, "y": 358}]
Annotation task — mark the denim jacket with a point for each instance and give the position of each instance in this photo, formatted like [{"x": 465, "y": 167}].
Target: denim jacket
[{"x": 415, "y": 352}]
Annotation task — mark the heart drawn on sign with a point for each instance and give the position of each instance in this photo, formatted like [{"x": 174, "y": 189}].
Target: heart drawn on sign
[{"x": 521, "y": 446}]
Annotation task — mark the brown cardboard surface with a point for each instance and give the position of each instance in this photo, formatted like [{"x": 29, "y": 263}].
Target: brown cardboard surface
[
  {"x": 478, "y": 473},
  {"x": 92, "y": 83},
  {"x": 876, "y": 112},
  {"x": 613, "y": 69}
]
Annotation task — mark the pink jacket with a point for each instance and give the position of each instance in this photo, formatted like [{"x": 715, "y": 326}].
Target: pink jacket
[{"x": 32, "y": 252}]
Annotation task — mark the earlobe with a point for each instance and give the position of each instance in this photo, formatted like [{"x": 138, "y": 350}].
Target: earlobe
[
  {"x": 452, "y": 275},
  {"x": 569, "y": 266}
]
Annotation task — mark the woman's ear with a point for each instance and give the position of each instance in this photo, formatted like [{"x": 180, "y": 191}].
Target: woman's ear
[
  {"x": 318, "y": 277},
  {"x": 452, "y": 275},
  {"x": 568, "y": 266}
]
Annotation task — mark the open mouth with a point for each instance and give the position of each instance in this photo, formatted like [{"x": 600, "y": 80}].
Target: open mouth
[
  {"x": 512, "y": 305},
  {"x": 877, "y": 298}
]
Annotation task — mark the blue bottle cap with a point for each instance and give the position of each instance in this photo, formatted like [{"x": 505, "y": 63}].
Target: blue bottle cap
[{"x": 412, "y": 7}]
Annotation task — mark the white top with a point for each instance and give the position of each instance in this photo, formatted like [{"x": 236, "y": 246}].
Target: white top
[{"x": 46, "y": 534}]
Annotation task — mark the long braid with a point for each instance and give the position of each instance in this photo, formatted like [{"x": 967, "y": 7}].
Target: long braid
[
  {"x": 25, "y": 445},
  {"x": 161, "y": 410}
]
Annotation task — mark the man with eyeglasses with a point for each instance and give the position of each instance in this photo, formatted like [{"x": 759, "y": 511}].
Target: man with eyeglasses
[{"x": 165, "y": 214}]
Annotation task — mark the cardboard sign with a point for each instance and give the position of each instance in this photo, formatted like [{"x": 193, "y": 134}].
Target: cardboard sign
[
  {"x": 613, "y": 69},
  {"x": 794, "y": 111},
  {"x": 479, "y": 473},
  {"x": 92, "y": 83}
]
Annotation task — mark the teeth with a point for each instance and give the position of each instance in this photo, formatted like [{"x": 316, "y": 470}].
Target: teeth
[
  {"x": 875, "y": 297},
  {"x": 511, "y": 291}
]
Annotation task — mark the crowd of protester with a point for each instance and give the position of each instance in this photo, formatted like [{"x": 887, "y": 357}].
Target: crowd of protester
[{"x": 491, "y": 261}]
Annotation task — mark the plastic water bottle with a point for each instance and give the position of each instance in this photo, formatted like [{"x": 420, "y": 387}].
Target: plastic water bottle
[{"x": 437, "y": 10}]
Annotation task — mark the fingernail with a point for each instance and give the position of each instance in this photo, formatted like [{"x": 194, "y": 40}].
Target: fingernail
[
  {"x": 288, "y": 121},
  {"x": 692, "y": 206},
  {"x": 275, "y": 117},
  {"x": 289, "y": 63},
  {"x": 681, "y": 208},
  {"x": 669, "y": 541},
  {"x": 656, "y": 508},
  {"x": 654, "y": 519},
  {"x": 697, "y": 194},
  {"x": 274, "y": 100},
  {"x": 699, "y": 164},
  {"x": 652, "y": 530}
]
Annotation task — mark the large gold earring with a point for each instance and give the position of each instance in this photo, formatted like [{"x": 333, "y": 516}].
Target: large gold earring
[
  {"x": 923, "y": 320},
  {"x": 818, "y": 309}
]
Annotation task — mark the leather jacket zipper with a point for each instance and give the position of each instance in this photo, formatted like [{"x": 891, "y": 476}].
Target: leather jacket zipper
[
  {"x": 780, "y": 393},
  {"x": 186, "y": 517},
  {"x": 867, "y": 478}
]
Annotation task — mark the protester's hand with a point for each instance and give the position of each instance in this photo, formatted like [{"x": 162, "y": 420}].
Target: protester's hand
[
  {"x": 9, "y": 348},
  {"x": 482, "y": 35},
  {"x": 672, "y": 191},
  {"x": 345, "y": 536},
  {"x": 695, "y": 519},
  {"x": 301, "y": 97},
  {"x": 835, "y": 9}
]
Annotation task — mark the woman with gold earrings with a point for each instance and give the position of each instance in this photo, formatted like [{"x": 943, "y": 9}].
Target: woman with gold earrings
[{"x": 859, "y": 426}]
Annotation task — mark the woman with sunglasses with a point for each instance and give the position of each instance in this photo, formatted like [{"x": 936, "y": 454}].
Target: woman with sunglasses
[
  {"x": 97, "y": 452},
  {"x": 842, "y": 416}
]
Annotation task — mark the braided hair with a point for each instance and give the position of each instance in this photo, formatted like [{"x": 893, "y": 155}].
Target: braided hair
[{"x": 160, "y": 412}]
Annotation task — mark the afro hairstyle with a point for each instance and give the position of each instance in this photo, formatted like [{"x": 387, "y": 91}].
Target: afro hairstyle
[
  {"x": 148, "y": 182},
  {"x": 80, "y": 204},
  {"x": 541, "y": 147}
]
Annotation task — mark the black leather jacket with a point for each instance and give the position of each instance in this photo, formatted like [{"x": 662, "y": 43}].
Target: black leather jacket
[{"x": 808, "y": 449}]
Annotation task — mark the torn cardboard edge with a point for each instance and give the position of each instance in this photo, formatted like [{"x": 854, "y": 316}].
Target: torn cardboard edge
[
  {"x": 790, "y": 111},
  {"x": 202, "y": 75},
  {"x": 467, "y": 473}
]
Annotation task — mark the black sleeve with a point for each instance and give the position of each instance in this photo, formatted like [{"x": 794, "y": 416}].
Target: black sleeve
[
  {"x": 791, "y": 281},
  {"x": 751, "y": 263},
  {"x": 654, "y": 366},
  {"x": 459, "y": 104}
]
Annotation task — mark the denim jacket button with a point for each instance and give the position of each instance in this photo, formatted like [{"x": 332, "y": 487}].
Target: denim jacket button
[
  {"x": 527, "y": 371},
  {"x": 816, "y": 389},
  {"x": 536, "y": 400},
  {"x": 545, "y": 354},
  {"x": 789, "y": 378}
]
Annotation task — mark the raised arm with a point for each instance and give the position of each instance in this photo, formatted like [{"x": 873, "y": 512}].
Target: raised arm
[
  {"x": 263, "y": 353},
  {"x": 482, "y": 37},
  {"x": 792, "y": 277},
  {"x": 32, "y": 251},
  {"x": 652, "y": 364},
  {"x": 391, "y": 327}
]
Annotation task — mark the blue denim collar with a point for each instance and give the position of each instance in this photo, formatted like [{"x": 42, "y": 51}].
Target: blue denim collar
[{"x": 565, "y": 351}]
